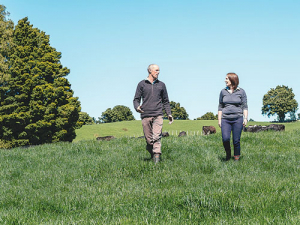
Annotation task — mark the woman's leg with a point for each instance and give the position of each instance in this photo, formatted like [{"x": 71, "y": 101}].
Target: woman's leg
[
  {"x": 226, "y": 128},
  {"x": 237, "y": 127}
]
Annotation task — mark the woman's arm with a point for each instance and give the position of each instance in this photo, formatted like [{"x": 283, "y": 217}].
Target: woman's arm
[
  {"x": 245, "y": 108},
  {"x": 219, "y": 118},
  {"x": 220, "y": 108},
  {"x": 245, "y": 117}
]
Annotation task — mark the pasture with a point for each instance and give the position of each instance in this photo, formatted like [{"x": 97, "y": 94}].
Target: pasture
[
  {"x": 115, "y": 182},
  {"x": 134, "y": 128}
]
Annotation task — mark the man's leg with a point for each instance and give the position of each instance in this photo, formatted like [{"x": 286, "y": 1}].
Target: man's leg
[
  {"x": 147, "y": 128},
  {"x": 157, "y": 130}
]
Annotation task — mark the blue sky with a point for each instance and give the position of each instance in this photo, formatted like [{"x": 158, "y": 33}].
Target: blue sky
[{"x": 108, "y": 45}]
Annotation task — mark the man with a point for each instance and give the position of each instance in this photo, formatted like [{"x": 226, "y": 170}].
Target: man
[{"x": 154, "y": 97}]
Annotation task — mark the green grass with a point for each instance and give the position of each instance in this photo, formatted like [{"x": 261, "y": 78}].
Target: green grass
[
  {"x": 134, "y": 128},
  {"x": 91, "y": 182}
]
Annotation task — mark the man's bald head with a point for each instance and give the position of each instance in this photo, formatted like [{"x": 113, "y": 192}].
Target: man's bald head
[{"x": 151, "y": 66}]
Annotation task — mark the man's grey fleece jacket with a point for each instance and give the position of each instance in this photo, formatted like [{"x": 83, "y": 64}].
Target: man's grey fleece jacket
[{"x": 154, "y": 98}]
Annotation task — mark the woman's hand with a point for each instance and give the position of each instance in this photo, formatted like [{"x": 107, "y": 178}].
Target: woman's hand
[
  {"x": 245, "y": 122},
  {"x": 220, "y": 123},
  {"x": 245, "y": 117}
]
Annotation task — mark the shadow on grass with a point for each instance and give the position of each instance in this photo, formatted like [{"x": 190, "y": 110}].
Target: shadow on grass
[
  {"x": 148, "y": 159},
  {"x": 151, "y": 159}
]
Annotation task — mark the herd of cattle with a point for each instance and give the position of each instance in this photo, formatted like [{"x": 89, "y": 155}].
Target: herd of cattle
[{"x": 206, "y": 130}]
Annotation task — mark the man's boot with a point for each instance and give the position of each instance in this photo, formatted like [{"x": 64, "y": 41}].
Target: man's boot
[{"x": 156, "y": 158}]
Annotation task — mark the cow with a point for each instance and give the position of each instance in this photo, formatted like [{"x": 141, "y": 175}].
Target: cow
[
  {"x": 206, "y": 130},
  {"x": 165, "y": 134},
  {"x": 182, "y": 133}
]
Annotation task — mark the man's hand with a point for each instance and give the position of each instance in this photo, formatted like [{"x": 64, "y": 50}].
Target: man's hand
[
  {"x": 139, "y": 109},
  {"x": 220, "y": 123},
  {"x": 171, "y": 120}
]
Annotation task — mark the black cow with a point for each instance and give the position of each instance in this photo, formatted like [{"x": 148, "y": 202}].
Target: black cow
[{"x": 182, "y": 133}]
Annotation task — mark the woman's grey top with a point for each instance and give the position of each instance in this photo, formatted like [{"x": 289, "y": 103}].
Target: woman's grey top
[{"x": 233, "y": 104}]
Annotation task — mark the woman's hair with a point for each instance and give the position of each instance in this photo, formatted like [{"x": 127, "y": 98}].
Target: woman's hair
[{"x": 234, "y": 79}]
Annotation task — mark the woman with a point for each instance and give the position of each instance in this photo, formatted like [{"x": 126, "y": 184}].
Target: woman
[{"x": 232, "y": 114}]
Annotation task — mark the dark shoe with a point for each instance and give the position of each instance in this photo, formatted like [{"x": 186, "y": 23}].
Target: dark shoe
[
  {"x": 152, "y": 154},
  {"x": 228, "y": 157},
  {"x": 228, "y": 154},
  {"x": 156, "y": 158},
  {"x": 236, "y": 158}
]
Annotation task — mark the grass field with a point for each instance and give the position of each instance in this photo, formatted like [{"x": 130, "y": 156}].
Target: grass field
[
  {"x": 134, "y": 128},
  {"x": 115, "y": 182}
]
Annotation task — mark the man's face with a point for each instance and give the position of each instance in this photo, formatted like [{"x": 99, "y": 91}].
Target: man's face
[{"x": 154, "y": 72}]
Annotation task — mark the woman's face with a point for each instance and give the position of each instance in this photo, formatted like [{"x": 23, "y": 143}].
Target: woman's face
[{"x": 227, "y": 82}]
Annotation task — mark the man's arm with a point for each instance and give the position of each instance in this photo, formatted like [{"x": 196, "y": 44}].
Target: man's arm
[
  {"x": 165, "y": 101},
  {"x": 166, "y": 104},
  {"x": 137, "y": 98}
]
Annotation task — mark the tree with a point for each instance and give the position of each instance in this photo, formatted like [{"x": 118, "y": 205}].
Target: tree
[
  {"x": 279, "y": 100},
  {"x": 96, "y": 121},
  {"x": 85, "y": 119},
  {"x": 36, "y": 103},
  {"x": 178, "y": 113},
  {"x": 118, "y": 113},
  {"x": 6, "y": 34},
  {"x": 208, "y": 116}
]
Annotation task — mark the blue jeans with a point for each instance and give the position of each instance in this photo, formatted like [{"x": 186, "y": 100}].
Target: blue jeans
[{"x": 235, "y": 126}]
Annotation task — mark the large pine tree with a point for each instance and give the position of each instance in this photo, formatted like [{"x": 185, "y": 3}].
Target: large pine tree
[
  {"x": 37, "y": 105},
  {"x": 6, "y": 32}
]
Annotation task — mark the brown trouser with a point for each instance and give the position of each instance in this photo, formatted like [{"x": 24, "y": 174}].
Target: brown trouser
[{"x": 152, "y": 127}]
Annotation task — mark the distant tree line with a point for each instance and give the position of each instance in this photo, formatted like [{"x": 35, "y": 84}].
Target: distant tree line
[
  {"x": 85, "y": 119},
  {"x": 117, "y": 114},
  {"x": 123, "y": 113},
  {"x": 278, "y": 101},
  {"x": 178, "y": 112},
  {"x": 208, "y": 116}
]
